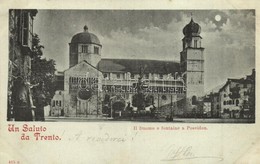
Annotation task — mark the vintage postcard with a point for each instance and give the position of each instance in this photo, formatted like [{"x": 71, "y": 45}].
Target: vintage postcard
[{"x": 120, "y": 84}]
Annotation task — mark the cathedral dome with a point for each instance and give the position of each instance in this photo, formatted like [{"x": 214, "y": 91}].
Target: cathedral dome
[
  {"x": 85, "y": 37},
  {"x": 192, "y": 29}
]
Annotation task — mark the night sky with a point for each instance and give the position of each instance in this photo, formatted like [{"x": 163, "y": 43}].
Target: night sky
[{"x": 228, "y": 37}]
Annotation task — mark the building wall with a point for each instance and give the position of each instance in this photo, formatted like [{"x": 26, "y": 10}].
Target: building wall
[
  {"x": 233, "y": 104},
  {"x": 73, "y": 54},
  {"x": 195, "y": 72},
  {"x": 20, "y": 50},
  {"x": 135, "y": 76},
  {"x": 73, "y": 78},
  {"x": 192, "y": 66},
  {"x": 20, "y": 42},
  {"x": 57, "y": 104},
  {"x": 89, "y": 55},
  {"x": 73, "y": 105},
  {"x": 215, "y": 105}
]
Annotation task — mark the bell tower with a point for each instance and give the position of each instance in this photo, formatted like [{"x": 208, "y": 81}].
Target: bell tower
[{"x": 192, "y": 64}]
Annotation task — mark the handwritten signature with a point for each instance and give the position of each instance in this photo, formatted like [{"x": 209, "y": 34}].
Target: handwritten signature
[
  {"x": 103, "y": 137},
  {"x": 174, "y": 152}
]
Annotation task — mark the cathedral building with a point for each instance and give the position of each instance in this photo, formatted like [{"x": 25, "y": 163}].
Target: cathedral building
[{"x": 92, "y": 83}]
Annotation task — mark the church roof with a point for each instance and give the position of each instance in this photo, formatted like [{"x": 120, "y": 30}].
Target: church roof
[
  {"x": 192, "y": 29},
  {"x": 134, "y": 65},
  {"x": 85, "y": 37},
  {"x": 239, "y": 81}
]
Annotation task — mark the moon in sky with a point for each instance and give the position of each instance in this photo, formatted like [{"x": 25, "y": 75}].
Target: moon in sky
[{"x": 217, "y": 18}]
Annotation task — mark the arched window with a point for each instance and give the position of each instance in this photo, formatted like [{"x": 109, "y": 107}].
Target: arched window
[
  {"x": 224, "y": 102},
  {"x": 195, "y": 43},
  {"x": 84, "y": 48},
  {"x": 193, "y": 100},
  {"x": 96, "y": 50}
]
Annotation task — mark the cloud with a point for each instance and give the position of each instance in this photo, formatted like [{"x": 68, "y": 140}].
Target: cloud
[
  {"x": 230, "y": 52},
  {"x": 229, "y": 46},
  {"x": 150, "y": 42}
]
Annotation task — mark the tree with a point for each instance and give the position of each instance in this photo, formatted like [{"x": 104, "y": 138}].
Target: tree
[
  {"x": 42, "y": 70},
  {"x": 139, "y": 101}
]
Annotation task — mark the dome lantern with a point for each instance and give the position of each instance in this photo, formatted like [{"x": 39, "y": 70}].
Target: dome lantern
[{"x": 85, "y": 28}]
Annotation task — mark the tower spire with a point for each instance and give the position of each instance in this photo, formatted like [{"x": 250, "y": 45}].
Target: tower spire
[{"x": 191, "y": 16}]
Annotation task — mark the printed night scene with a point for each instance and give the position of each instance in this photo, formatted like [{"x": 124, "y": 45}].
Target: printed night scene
[{"x": 175, "y": 66}]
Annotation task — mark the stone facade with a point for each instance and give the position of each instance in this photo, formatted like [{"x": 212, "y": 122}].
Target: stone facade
[
  {"x": 81, "y": 90},
  {"x": 20, "y": 50},
  {"x": 234, "y": 96},
  {"x": 57, "y": 104},
  {"x": 192, "y": 65},
  {"x": 235, "y": 99},
  {"x": 20, "y": 42},
  {"x": 215, "y": 107}
]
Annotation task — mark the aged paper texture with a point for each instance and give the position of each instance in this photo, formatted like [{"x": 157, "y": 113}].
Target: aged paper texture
[{"x": 133, "y": 82}]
